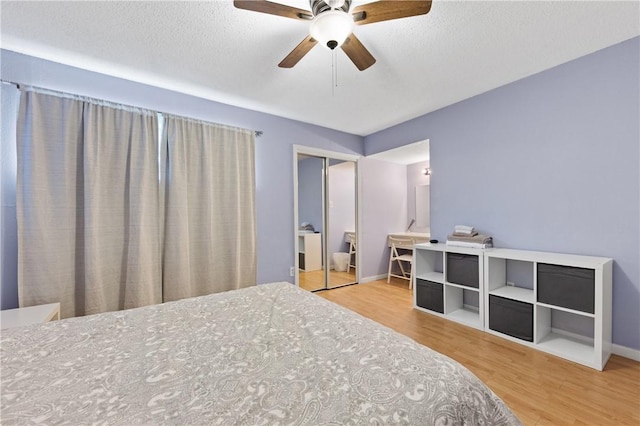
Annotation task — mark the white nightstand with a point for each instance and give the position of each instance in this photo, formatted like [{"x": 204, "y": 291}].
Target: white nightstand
[{"x": 30, "y": 315}]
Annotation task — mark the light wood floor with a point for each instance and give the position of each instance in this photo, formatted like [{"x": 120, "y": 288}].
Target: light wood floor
[
  {"x": 539, "y": 388},
  {"x": 314, "y": 280}
]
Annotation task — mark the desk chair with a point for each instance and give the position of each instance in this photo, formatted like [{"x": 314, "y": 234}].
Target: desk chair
[
  {"x": 404, "y": 258},
  {"x": 352, "y": 251}
]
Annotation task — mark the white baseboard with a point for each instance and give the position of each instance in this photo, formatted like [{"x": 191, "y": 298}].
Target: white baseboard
[
  {"x": 373, "y": 278},
  {"x": 623, "y": 351}
]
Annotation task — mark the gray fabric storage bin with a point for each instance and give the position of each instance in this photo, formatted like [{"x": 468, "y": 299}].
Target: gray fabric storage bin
[
  {"x": 511, "y": 317},
  {"x": 463, "y": 269},
  {"x": 567, "y": 286},
  {"x": 429, "y": 295}
]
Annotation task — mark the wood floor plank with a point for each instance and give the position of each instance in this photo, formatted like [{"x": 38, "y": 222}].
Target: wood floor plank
[{"x": 541, "y": 389}]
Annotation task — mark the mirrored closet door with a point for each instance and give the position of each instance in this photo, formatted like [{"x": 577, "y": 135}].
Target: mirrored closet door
[
  {"x": 311, "y": 222},
  {"x": 341, "y": 220},
  {"x": 325, "y": 215}
]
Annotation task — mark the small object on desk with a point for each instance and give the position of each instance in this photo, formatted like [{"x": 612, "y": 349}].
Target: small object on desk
[{"x": 433, "y": 241}]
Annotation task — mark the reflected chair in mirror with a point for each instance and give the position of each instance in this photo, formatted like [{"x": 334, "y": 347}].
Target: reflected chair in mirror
[
  {"x": 402, "y": 254},
  {"x": 351, "y": 237}
]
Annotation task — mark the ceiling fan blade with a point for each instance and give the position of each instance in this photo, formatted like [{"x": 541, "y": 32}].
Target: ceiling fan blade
[
  {"x": 296, "y": 54},
  {"x": 385, "y": 10},
  {"x": 358, "y": 54},
  {"x": 272, "y": 8}
]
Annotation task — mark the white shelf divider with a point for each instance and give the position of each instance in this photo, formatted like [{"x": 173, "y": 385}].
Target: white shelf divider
[
  {"x": 567, "y": 347},
  {"x": 436, "y": 277},
  {"x": 466, "y": 316},
  {"x": 515, "y": 293},
  {"x": 463, "y": 287},
  {"x": 571, "y": 311}
]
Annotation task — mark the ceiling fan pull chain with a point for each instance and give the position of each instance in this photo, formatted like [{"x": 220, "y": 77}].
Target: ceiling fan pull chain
[
  {"x": 335, "y": 69},
  {"x": 334, "y": 83},
  {"x": 335, "y": 61}
]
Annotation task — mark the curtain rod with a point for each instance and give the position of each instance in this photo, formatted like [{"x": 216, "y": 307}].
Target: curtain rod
[{"x": 257, "y": 133}]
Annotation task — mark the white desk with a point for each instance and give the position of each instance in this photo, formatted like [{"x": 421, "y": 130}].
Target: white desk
[
  {"x": 30, "y": 315},
  {"x": 418, "y": 237}
]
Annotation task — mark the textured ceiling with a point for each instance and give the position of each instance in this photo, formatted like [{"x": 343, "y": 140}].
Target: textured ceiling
[{"x": 215, "y": 51}]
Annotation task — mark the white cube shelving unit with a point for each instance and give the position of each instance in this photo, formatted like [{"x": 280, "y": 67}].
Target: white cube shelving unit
[
  {"x": 593, "y": 276},
  {"x": 436, "y": 294},
  {"x": 563, "y": 307}
]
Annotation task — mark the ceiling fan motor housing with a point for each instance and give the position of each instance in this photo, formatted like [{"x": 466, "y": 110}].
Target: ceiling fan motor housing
[{"x": 319, "y": 6}]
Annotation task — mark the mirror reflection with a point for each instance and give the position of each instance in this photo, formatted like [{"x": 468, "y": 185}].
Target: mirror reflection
[
  {"x": 341, "y": 236},
  {"x": 327, "y": 243},
  {"x": 311, "y": 274}
]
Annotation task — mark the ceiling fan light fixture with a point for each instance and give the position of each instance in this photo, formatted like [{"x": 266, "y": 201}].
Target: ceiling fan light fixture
[{"x": 332, "y": 28}]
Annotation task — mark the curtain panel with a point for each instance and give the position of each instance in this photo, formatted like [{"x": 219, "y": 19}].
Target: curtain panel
[
  {"x": 210, "y": 217},
  {"x": 88, "y": 205}
]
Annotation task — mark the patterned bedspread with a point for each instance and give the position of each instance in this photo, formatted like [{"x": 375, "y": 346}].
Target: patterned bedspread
[{"x": 271, "y": 354}]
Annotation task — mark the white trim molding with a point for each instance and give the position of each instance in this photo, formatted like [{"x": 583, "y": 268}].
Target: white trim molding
[
  {"x": 373, "y": 278},
  {"x": 625, "y": 352}
]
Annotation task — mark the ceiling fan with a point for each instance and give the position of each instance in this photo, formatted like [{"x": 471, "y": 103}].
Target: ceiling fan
[{"x": 332, "y": 23}]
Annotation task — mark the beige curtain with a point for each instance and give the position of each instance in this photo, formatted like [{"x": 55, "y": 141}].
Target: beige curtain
[
  {"x": 88, "y": 205},
  {"x": 210, "y": 224}
]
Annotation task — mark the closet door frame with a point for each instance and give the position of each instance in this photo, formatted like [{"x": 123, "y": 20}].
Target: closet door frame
[{"x": 326, "y": 155}]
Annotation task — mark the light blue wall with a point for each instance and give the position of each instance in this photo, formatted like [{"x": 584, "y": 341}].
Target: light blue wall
[
  {"x": 274, "y": 149},
  {"x": 550, "y": 163}
]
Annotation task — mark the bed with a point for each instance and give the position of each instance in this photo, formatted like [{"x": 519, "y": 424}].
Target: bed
[{"x": 270, "y": 354}]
